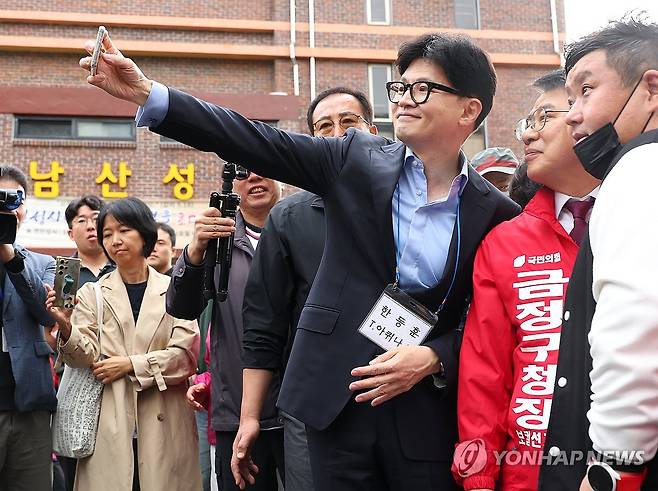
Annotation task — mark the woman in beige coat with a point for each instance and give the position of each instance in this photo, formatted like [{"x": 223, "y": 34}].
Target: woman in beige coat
[{"x": 145, "y": 423}]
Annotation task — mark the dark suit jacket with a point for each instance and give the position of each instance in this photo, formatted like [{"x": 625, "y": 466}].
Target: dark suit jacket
[
  {"x": 23, "y": 313},
  {"x": 185, "y": 300},
  {"x": 356, "y": 176},
  {"x": 280, "y": 279}
]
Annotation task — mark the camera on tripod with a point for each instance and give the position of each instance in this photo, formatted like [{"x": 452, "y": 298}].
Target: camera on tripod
[
  {"x": 220, "y": 251},
  {"x": 10, "y": 200}
]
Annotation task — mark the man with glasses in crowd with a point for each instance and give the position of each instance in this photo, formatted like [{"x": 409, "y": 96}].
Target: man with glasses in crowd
[
  {"x": 81, "y": 215},
  {"x": 281, "y": 275},
  {"x": 394, "y": 215},
  {"x": 509, "y": 351}
]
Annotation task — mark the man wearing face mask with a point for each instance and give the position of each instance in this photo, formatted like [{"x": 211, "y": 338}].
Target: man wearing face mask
[{"x": 604, "y": 403}]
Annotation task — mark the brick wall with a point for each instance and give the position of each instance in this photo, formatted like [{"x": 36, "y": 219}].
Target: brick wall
[
  {"x": 243, "y": 9},
  {"x": 149, "y": 158}
]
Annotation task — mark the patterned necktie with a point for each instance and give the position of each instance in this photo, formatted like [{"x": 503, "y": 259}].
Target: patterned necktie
[{"x": 579, "y": 211}]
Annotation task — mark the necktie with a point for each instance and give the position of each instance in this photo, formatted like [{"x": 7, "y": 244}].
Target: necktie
[{"x": 579, "y": 211}]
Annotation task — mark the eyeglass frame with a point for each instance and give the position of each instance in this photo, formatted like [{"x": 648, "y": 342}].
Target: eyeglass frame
[
  {"x": 83, "y": 220},
  {"x": 333, "y": 123},
  {"x": 408, "y": 87},
  {"x": 519, "y": 134}
]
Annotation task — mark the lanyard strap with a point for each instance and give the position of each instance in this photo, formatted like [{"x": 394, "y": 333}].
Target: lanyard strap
[{"x": 398, "y": 252}]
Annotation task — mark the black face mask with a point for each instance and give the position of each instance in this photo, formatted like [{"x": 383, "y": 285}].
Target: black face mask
[{"x": 597, "y": 151}]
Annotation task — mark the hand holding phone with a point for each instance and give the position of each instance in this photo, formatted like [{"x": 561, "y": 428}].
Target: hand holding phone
[
  {"x": 67, "y": 277},
  {"x": 98, "y": 49}
]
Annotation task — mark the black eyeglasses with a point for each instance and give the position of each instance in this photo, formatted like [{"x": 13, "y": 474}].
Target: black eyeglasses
[
  {"x": 420, "y": 91},
  {"x": 535, "y": 121},
  {"x": 325, "y": 126}
]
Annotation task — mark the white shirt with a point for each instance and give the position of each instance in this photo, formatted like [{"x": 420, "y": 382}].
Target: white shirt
[
  {"x": 563, "y": 215},
  {"x": 624, "y": 334}
]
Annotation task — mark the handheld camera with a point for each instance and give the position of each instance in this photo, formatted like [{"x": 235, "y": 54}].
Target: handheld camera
[
  {"x": 10, "y": 200},
  {"x": 220, "y": 251}
]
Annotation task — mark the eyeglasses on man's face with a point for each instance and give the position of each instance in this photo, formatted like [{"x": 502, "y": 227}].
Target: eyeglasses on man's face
[
  {"x": 325, "y": 126},
  {"x": 535, "y": 121},
  {"x": 82, "y": 221},
  {"x": 420, "y": 91}
]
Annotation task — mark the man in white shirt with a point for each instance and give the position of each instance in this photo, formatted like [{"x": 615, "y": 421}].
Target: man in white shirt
[{"x": 610, "y": 328}]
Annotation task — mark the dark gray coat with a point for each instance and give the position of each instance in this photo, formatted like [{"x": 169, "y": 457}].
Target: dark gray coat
[{"x": 185, "y": 300}]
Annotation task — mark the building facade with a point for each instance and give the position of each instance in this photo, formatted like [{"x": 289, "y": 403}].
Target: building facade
[{"x": 264, "y": 58}]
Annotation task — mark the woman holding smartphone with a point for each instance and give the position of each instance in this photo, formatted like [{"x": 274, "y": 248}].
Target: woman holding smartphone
[{"x": 146, "y": 433}]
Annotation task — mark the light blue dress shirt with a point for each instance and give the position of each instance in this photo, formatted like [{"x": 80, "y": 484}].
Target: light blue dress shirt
[
  {"x": 425, "y": 228},
  {"x": 153, "y": 112}
]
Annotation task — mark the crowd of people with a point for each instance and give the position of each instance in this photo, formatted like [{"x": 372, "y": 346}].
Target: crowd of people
[{"x": 409, "y": 321}]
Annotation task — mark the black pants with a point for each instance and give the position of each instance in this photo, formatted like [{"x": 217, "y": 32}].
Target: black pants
[
  {"x": 267, "y": 454},
  {"x": 68, "y": 466},
  {"x": 360, "y": 451},
  {"x": 135, "y": 466},
  {"x": 25, "y": 451}
]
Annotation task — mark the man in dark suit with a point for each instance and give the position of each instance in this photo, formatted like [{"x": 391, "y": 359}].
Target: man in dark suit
[
  {"x": 27, "y": 392},
  {"x": 394, "y": 215},
  {"x": 280, "y": 278}
]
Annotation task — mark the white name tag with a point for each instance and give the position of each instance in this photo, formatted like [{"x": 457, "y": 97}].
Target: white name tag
[{"x": 396, "y": 319}]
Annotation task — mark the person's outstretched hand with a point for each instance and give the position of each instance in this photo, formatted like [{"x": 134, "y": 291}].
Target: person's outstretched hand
[{"x": 117, "y": 75}]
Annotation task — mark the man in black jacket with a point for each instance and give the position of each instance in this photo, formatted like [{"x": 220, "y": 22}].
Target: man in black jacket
[
  {"x": 605, "y": 410},
  {"x": 185, "y": 298},
  {"x": 394, "y": 214},
  {"x": 281, "y": 275}
]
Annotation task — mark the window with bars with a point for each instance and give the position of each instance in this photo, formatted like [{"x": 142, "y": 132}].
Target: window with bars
[{"x": 62, "y": 128}]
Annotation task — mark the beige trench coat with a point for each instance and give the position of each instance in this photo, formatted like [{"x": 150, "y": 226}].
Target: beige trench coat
[{"x": 163, "y": 351}]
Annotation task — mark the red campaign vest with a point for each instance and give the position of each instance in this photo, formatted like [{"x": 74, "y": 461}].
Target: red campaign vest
[{"x": 508, "y": 360}]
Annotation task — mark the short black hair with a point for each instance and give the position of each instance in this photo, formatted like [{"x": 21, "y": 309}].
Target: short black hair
[
  {"x": 357, "y": 94},
  {"x": 133, "y": 213},
  {"x": 167, "y": 228},
  {"x": 465, "y": 64},
  {"x": 551, "y": 81},
  {"x": 15, "y": 174},
  {"x": 92, "y": 201},
  {"x": 521, "y": 188},
  {"x": 630, "y": 46}
]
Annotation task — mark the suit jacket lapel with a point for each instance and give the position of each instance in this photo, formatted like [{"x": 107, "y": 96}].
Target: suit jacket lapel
[
  {"x": 385, "y": 168},
  {"x": 474, "y": 218},
  {"x": 151, "y": 312},
  {"x": 7, "y": 293}
]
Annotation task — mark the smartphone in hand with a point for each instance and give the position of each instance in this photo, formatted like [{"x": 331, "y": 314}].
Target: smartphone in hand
[
  {"x": 98, "y": 49},
  {"x": 67, "y": 278}
]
